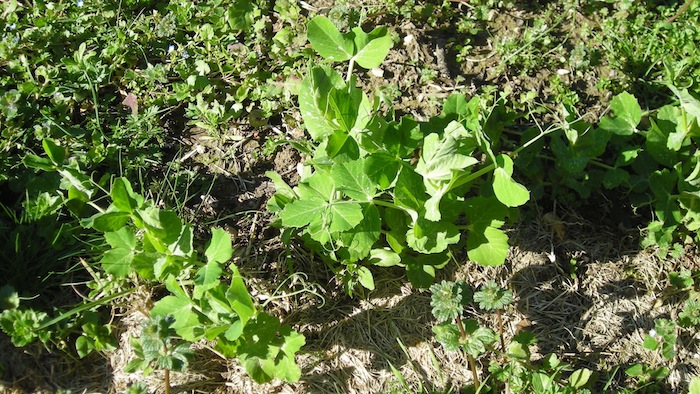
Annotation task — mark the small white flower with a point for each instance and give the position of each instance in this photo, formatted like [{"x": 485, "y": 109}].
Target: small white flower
[
  {"x": 652, "y": 333},
  {"x": 12, "y": 26},
  {"x": 80, "y": 3},
  {"x": 185, "y": 55},
  {"x": 171, "y": 48}
]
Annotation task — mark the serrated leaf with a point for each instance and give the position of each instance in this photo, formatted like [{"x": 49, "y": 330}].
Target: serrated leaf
[
  {"x": 219, "y": 249},
  {"x": 117, "y": 262},
  {"x": 328, "y": 41},
  {"x": 487, "y": 246},
  {"x": 448, "y": 335},
  {"x": 507, "y": 190}
]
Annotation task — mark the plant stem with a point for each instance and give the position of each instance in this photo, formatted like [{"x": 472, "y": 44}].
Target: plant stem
[
  {"x": 470, "y": 359},
  {"x": 167, "y": 381},
  {"x": 500, "y": 330}
]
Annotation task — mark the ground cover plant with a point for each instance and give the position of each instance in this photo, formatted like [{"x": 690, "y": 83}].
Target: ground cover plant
[{"x": 415, "y": 196}]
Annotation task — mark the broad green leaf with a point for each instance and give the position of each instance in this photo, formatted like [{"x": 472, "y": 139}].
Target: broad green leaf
[
  {"x": 432, "y": 205},
  {"x": 580, "y": 377},
  {"x": 314, "y": 104},
  {"x": 615, "y": 177},
  {"x": 635, "y": 370},
  {"x": 239, "y": 298},
  {"x": 283, "y": 192},
  {"x": 37, "y": 162},
  {"x": 694, "y": 387},
  {"x": 107, "y": 222},
  {"x": 364, "y": 275},
  {"x": 508, "y": 191},
  {"x": 382, "y": 169},
  {"x": 361, "y": 239},
  {"x": 117, "y": 262},
  {"x": 56, "y": 153},
  {"x": 487, "y": 246},
  {"x": 219, "y": 249},
  {"x": 351, "y": 179},
  {"x": 627, "y": 115},
  {"x": 484, "y": 212},
  {"x": 301, "y": 213},
  {"x": 384, "y": 257},
  {"x": 241, "y": 16},
  {"x": 420, "y": 275},
  {"x": 123, "y": 238},
  {"x": 341, "y": 145},
  {"x": 123, "y": 196},
  {"x": 187, "y": 323},
  {"x": 328, "y": 41},
  {"x": 689, "y": 103},
  {"x": 182, "y": 246},
  {"x": 371, "y": 49},
  {"x": 84, "y": 346},
  {"x": 207, "y": 277},
  {"x": 440, "y": 157},
  {"x": 656, "y": 143},
  {"x": 431, "y": 237},
  {"x": 344, "y": 215},
  {"x": 410, "y": 190}
]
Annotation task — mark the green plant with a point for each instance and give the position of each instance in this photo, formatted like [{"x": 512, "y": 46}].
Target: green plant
[
  {"x": 389, "y": 192},
  {"x": 157, "y": 348},
  {"x": 145, "y": 243},
  {"x": 454, "y": 333}
]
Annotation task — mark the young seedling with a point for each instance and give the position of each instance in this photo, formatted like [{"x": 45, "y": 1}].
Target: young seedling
[
  {"x": 448, "y": 300},
  {"x": 492, "y": 297},
  {"x": 159, "y": 348}
]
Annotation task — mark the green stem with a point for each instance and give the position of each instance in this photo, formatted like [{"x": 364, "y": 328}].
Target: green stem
[{"x": 351, "y": 65}]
